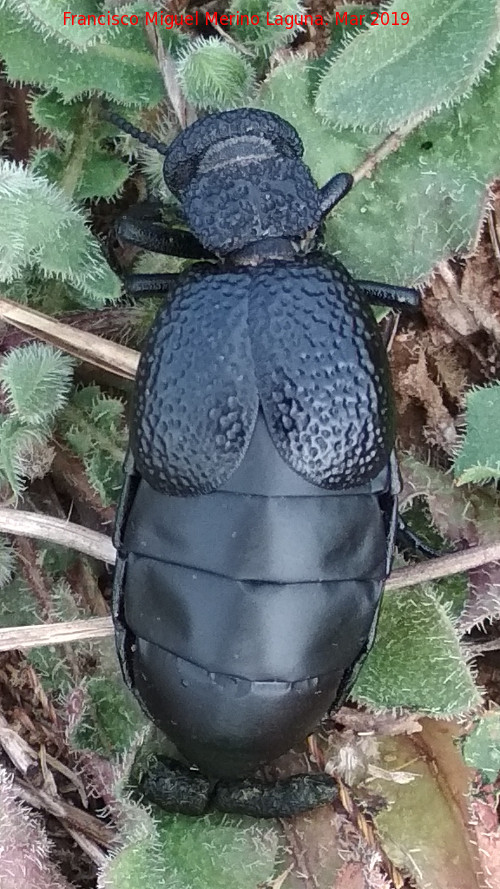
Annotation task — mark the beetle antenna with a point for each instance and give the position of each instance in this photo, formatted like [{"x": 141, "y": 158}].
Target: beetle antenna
[{"x": 141, "y": 135}]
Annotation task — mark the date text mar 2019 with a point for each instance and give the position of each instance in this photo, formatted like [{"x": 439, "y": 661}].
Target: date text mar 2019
[{"x": 171, "y": 20}]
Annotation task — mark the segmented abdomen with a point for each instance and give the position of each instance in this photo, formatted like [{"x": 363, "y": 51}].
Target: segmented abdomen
[{"x": 249, "y": 606}]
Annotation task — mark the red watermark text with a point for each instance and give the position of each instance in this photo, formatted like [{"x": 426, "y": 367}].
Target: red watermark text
[
  {"x": 373, "y": 17},
  {"x": 226, "y": 20}
]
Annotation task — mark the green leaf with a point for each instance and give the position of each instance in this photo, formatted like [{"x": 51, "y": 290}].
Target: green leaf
[
  {"x": 340, "y": 33},
  {"x": 478, "y": 459},
  {"x": 393, "y": 73},
  {"x": 426, "y": 200},
  {"x": 423, "y": 202},
  {"x": 214, "y": 75},
  {"x": 178, "y": 852},
  {"x": 7, "y": 562},
  {"x": 52, "y": 669},
  {"x": 50, "y": 112},
  {"x": 424, "y": 826},
  {"x": 416, "y": 661},
  {"x": 49, "y": 163},
  {"x": 263, "y": 37},
  {"x": 17, "y": 441},
  {"x": 36, "y": 379},
  {"x": 452, "y": 590},
  {"x": 326, "y": 151},
  {"x": 47, "y": 17},
  {"x": 111, "y": 717},
  {"x": 40, "y": 227},
  {"x": 94, "y": 427},
  {"x": 18, "y": 607},
  {"x": 122, "y": 67},
  {"x": 97, "y": 173},
  {"x": 481, "y": 748},
  {"x": 103, "y": 176}
]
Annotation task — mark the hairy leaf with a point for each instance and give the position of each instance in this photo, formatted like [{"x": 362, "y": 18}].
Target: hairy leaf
[
  {"x": 17, "y": 441},
  {"x": 50, "y": 112},
  {"x": 467, "y": 516},
  {"x": 40, "y": 227},
  {"x": 122, "y": 67},
  {"x": 36, "y": 379},
  {"x": 94, "y": 427},
  {"x": 392, "y": 73},
  {"x": 52, "y": 669},
  {"x": 177, "y": 852},
  {"x": 326, "y": 151},
  {"x": 84, "y": 167},
  {"x": 427, "y": 199},
  {"x": 214, "y": 75},
  {"x": 7, "y": 562},
  {"x": 340, "y": 32},
  {"x": 47, "y": 17},
  {"x": 102, "y": 175},
  {"x": 481, "y": 748},
  {"x": 264, "y": 37},
  {"x": 416, "y": 661},
  {"x": 17, "y": 605},
  {"x": 25, "y": 861},
  {"x": 423, "y": 202},
  {"x": 478, "y": 459},
  {"x": 111, "y": 717}
]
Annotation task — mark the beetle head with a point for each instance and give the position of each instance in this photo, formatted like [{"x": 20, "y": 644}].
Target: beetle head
[{"x": 240, "y": 179}]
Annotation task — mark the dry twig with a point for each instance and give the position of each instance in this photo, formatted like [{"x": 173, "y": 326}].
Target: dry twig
[
  {"x": 40, "y": 527},
  {"x": 184, "y": 112},
  {"x": 86, "y": 829},
  {"x": 100, "y": 546},
  {"x": 96, "y": 350}
]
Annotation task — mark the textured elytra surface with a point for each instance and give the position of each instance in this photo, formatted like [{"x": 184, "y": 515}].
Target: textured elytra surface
[
  {"x": 196, "y": 396},
  {"x": 188, "y": 148},
  {"x": 297, "y": 336},
  {"x": 238, "y": 204},
  {"x": 322, "y": 373}
]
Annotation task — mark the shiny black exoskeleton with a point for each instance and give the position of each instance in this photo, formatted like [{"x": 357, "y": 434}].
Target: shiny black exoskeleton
[{"x": 257, "y": 522}]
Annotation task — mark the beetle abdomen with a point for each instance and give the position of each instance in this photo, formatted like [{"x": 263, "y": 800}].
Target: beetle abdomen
[
  {"x": 226, "y": 725},
  {"x": 249, "y": 606}
]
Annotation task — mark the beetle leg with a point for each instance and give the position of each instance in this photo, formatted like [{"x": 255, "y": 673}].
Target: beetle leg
[
  {"x": 176, "y": 788},
  {"x": 147, "y": 230},
  {"x": 390, "y": 295},
  {"x": 281, "y": 799},
  {"x": 411, "y": 543},
  {"x": 334, "y": 190},
  {"x": 138, "y": 285}
]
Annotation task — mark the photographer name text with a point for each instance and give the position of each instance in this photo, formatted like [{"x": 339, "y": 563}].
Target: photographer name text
[{"x": 226, "y": 20}]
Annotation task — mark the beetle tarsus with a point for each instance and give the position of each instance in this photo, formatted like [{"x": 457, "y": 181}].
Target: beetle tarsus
[
  {"x": 391, "y": 295},
  {"x": 409, "y": 542},
  {"x": 137, "y": 285},
  {"x": 177, "y": 788},
  {"x": 282, "y": 799}
]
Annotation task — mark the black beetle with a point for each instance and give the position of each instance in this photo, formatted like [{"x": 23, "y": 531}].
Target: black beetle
[{"x": 258, "y": 518}]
